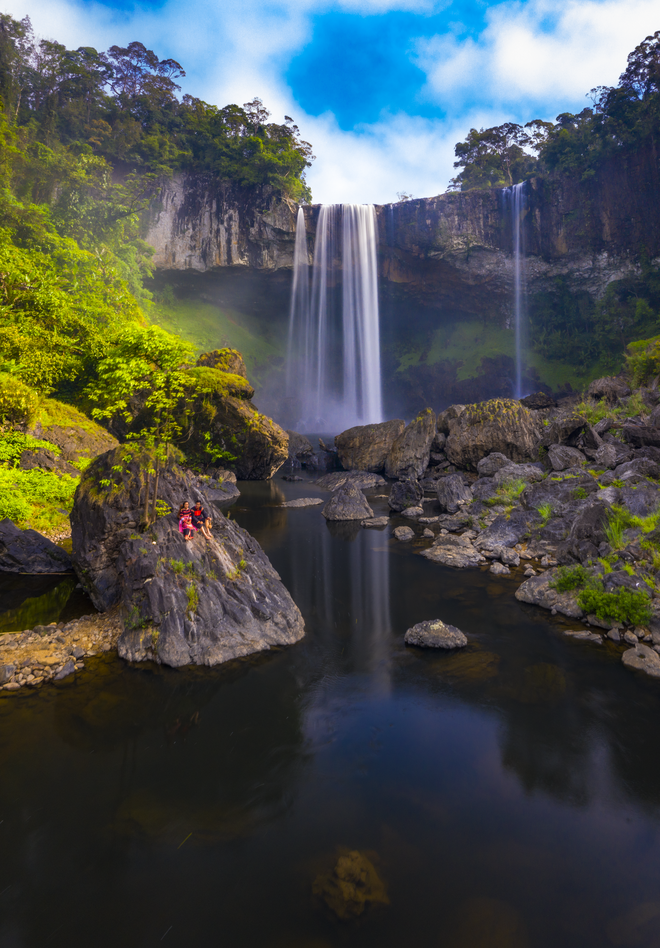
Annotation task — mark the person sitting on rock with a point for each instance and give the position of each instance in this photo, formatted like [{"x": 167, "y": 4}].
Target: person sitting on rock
[
  {"x": 198, "y": 516},
  {"x": 184, "y": 508},
  {"x": 206, "y": 528},
  {"x": 186, "y": 526}
]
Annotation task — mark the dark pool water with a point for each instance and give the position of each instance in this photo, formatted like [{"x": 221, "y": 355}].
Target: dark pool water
[{"x": 508, "y": 795}]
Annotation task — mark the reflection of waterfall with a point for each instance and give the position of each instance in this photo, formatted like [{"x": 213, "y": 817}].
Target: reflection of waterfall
[
  {"x": 333, "y": 360},
  {"x": 515, "y": 201}
]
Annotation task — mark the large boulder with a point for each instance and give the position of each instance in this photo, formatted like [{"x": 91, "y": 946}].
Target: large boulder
[
  {"x": 347, "y": 503},
  {"x": 642, "y": 658},
  {"x": 76, "y": 438},
  {"x": 453, "y": 493},
  {"x": 538, "y": 401},
  {"x": 197, "y": 602},
  {"x": 226, "y": 360},
  {"x": 26, "y": 551},
  {"x": 491, "y": 464},
  {"x": 404, "y": 494},
  {"x": 300, "y": 447},
  {"x": 501, "y": 425},
  {"x": 366, "y": 447},
  {"x": 411, "y": 450},
  {"x": 447, "y": 417},
  {"x": 610, "y": 388},
  {"x": 538, "y": 591},
  {"x": 563, "y": 457}
]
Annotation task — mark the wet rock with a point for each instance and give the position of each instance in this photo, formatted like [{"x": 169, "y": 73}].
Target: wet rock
[
  {"x": 403, "y": 533},
  {"x": 450, "y": 550},
  {"x": 538, "y": 401},
  {"x": 537, "y": 591},
  {"x": 347, "y": 503},
  {"x": 67, "y": 669},
  {"x": 413, "y": 512},
  {"x": 351, "y": 886},
  {"x": 642, "y": 658},
  {"x": 491, "y": 464},
  {"x": 498, "y": 569},
  {"x": 405, "y": 493},
  {"x": 428, "y": 534},
  {"x": 366, "y": 447},
  {"x": 300, "y": 447},
  {"x": 434, "y": 633},
  {"x": 363, "y": 480},
  {"x": 610, "y": 389},
  {"x": 198, "y": 602},
  {"x": 582, "y": 635},
  {"x": 376, "y": 522},
  {"x": 303, "y": 502},
  {"x": 26, "y": 551},
  {"x": 509, "y": 557},
  {"x": 452, "y": 493},
  {"x": 563, "y": 457},
  {"x": 499, "y": 425},
  {"x": 411, "y": 450},
  {"x": 630, "y": 638}
]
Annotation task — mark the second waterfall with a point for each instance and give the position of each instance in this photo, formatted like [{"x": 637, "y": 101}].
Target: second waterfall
[{"x": 333, "y": 355}]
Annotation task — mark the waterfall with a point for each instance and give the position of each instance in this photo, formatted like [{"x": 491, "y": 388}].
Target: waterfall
[
  {"x": 515, "y": 200},
  {"x": 333, "y": 358}
]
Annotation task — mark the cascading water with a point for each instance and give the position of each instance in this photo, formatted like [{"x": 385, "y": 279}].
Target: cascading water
[
  {"x": 333, "y": 359},
  {"x": 515, "y": 201}
]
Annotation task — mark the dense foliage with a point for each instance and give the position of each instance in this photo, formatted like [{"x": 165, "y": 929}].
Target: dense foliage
[{"x": 623, "y": 118}]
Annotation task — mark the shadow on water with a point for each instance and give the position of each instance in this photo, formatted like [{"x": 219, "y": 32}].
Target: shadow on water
[
  {"x": 26, "y": 601},
  {"x": 507, "y": 795}
]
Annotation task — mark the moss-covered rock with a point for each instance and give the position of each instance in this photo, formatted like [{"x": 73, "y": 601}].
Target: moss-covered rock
[
  {"x": 227, "y": 360},
  {"x": 500, "y": 424},
  {"x": 78, "y": 438}
]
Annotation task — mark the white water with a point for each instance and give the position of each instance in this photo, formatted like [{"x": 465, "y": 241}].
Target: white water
[
  {"x": 515, "y": 200},
  {"x": 333, "y": 360}
]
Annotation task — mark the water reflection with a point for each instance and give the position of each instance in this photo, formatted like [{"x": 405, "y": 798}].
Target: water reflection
[{"x": 26, "y": 601}]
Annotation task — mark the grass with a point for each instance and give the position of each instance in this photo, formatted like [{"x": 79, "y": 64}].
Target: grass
[
  {"x": 40, "y": 500},
  {"x": 507, "y": 494},
  {"x": 631, "y": 606},
  {"x": 594, "y": 411},
  {"x": 193, "y": 599},
  {"x": 545, "y": 511}
]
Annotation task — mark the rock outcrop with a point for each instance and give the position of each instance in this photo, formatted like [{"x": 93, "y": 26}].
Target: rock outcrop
[
  {"x": 366, "y": 447},
  {"x": 500, "y": 425},
  {"x": 411, "y": 450},
  {"x": 182, "y": 602},
  {"x": 26, "y": 551}
]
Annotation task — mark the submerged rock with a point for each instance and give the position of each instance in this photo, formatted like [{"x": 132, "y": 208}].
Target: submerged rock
[
  {"x": 434, "y": 633},
  {"x": 411, "y": 450},
  {"x": 642, "y": 658},
  {"x": 347, "y": 503},
  {"x": 363, "y": 480},
  {"x": 202, "y": 601},
  {"x": 366, "y": 447},
  {"x": 453, "y": 551},
  {"x": 350, "y": 886},
  {"x": 26, "y": 551}
]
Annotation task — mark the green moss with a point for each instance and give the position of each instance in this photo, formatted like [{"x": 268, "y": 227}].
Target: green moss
[
  {"x": 53, "y": 413},
  {"x": 210, "y": 381}
]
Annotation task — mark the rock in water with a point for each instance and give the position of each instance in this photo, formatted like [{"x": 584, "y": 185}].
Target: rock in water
[
  {"x": 454, "y": 551},
  {"x": 352, "y": 884},
  {"x": 411, "y": 450},
  {"x": 501, "y": 425},
  {"x": 403, "y": 533},
  {"x": 363, "y": 480},
  {"x": 300, "y": 447},
  {"x": 303, "y": 502},
  {"x": 26, "y": 551},
  {"x": 347, "y": 503},
  {"x": 199, "y": 602},
  {"x": 406, "y": 493},
  {"x": 453, "y": 493},
  {"x": 434, "y": 633},
  {"x": 366, "y": 447},
  {"x": 642, "y": 658}
]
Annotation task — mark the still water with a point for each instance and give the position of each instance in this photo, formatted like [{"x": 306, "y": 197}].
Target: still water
[{"x": 508, "y": 795}]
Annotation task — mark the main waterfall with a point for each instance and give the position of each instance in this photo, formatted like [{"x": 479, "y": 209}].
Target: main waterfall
[
  {"x": 333, "y": 357},
  {"x": 515, "y": 201}
]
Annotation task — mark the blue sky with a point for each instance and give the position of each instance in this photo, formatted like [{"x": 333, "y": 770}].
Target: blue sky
[{"x": 383, "y": 89}]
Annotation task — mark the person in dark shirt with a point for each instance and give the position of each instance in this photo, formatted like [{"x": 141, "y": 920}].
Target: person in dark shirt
[{"x": 198, "y": 516}]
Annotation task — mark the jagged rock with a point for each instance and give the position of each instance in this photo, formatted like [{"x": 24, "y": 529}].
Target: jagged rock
[
  {"x": 347, "y": 503},
  {"x": 603, "y": 426},
  {"x": 453, "y": 551},
  {"x": 197, "y": 602},
  {"x": 439, "y": 441},
  {"x": 565, "y": 426},
  {"x": 446, "y": 417},
  {"x": 642, "y": 658},
  {"x": 605, "y": 456},
  {"x": 531, "y": 473},
  {"x": 452, "y": 493},
  {"x": 641, "y": 466},
  {"x": 640, "y": 501},
  {"x": 434, "y": 633},
  {"x": 403, "y": 533},
  {"x": 500, "y": 425},
  {"x": 26, "y": 551},
  {"x": 507, "y": 531},
  {"x": 300, "y": 447},
  {"x": 411, "y": 450},
  {"x": 491, "y": 464},
  {"x": 537, "y": 591},
  {"x": 641, "y": 435},
  {"x": 405, "y": 493},
  {"x": 413, "y": 512},
  {"x": 484, "y": 488},
  {"x": 47, "y": 461},
  {"x": 350, "y": 886},
  {"x": 366, "y": 447},
  {"x": 589, "y": 441},
  {"x": 538, "y": 401},
  {"x": 363, "y": 480},
  {"x": 563, "y": 457},
  {"x": 303, "y": 502},
  {"x": 376, "y": 522},
  {"x": 609, "y": 388}
]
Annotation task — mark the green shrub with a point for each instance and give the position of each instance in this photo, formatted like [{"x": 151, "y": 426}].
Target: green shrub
[
  {"x": 18, "y": 402},
  {"x": 643, "y": 360},
  {"x": 13, "y": 443},
  {"x": 570, "y": 577},
  {"x": 37, "y": 499},
  {"x": 631, "y": 606}
]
